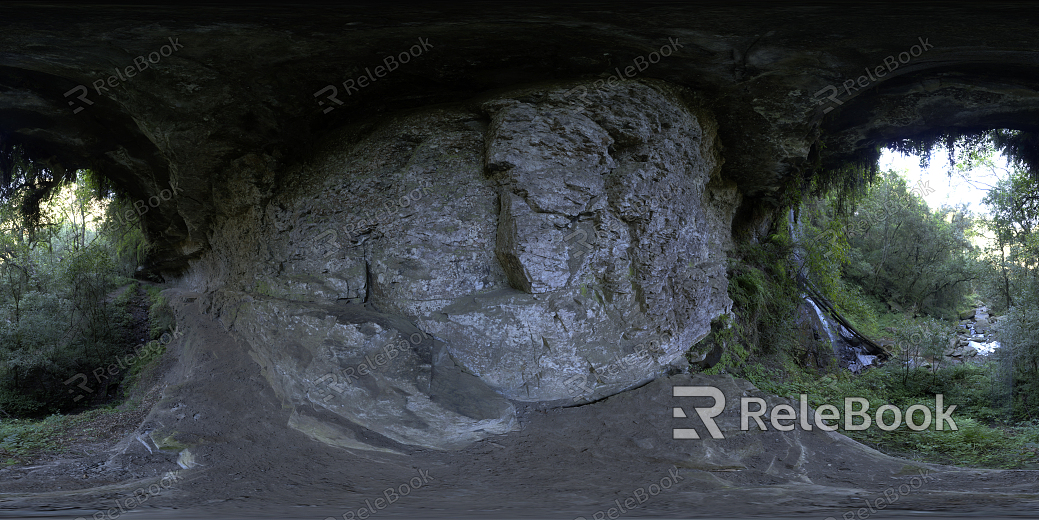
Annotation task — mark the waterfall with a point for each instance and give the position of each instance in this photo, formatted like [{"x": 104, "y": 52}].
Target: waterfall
[
  {"x": 825, "y": 321},
  {"x": 855, "y": 356}
]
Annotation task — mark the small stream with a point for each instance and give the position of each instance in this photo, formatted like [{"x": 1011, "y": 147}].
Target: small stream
[{"x": 974, "y": 336}]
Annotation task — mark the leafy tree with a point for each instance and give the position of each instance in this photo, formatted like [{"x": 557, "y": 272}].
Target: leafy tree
[
  {"x": 1013, "y": 285},
  {"x": 1008, "y": 273},
  {"x": 1019, "y": 356},
  {"x": 903, "y": 253},
  {"x": 1014, "y": 224},
  {"x": 57, "y": 315},
  {"x": 927, "y": 340}
]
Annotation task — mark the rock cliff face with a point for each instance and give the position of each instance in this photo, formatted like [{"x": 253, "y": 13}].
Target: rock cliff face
[
  {"x": 534, "y": 205},
  {"x": 533, "y": 246}
]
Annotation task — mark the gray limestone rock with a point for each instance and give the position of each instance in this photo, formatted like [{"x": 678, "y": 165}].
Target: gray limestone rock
[{"x": 556, "y": 249}]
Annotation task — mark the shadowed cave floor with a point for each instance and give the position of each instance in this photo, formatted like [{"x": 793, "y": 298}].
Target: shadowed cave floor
[{"x": 561, "y": 463}]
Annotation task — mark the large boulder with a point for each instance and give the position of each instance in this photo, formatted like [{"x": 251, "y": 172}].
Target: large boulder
[
  {"x": 962, "y": 351},
  {"x": 982, "y": 326},
  {"x": 552, "y": 243}
]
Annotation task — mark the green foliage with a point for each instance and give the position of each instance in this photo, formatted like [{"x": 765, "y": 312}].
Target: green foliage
[
  {"x": 918, "y": 342},
  {"x": 129, "y": 245},
  {"x": 162, "y": 323},
  {"x": 891, "y": 265},
  {"x": 846, "y": 179},
  {"x": 856, "y": 307},
  {"x": 58, "y": 314},
  {"x": 979, "y": 440},
  {"x": 891, "y": 248},
  {"x": 160, "y": 314},
  {"x": 1010, "y": 282},
  {"x": 147, "y": 360},
  {"x": 749, "y": 289},
  {"x": 1019, "y": 362},
  {"x": 22, "y": 440},
  {"x": 723, "y": 336},
  {"x": 1014, "y": 253},
  {"x": 822, "y": 253},
  {"x": 965, "y": 148},
  {"x": 823, "y": 244},
  {"x": 968, "y": 150},
  {"x": 27, "y": 182},
  {"x": 764, "y": 295},
  {"x": 1022, "y": 148}
]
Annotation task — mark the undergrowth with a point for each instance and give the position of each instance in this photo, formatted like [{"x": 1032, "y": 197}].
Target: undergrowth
[
  {"x": 25, "y": 440},
  {"x": 762, "y": 345}
]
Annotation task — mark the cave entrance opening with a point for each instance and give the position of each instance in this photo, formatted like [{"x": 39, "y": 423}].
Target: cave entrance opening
[
  {"x": 938, "y": 265},
  {"x": 69, "y": 306},
  {"x": 938, "y": 261}
]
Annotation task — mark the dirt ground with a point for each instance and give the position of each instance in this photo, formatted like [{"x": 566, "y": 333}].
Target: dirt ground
[{"x": 563, "y": 462}]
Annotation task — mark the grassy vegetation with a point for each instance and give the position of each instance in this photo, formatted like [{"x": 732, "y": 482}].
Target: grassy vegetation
[
  {"x": 769, "y": 344},
  {"x": 775, "y": 363},
  {"x": 141, "y": 365},
  {"x": 25, "y": 440},
  {"x": 160, "y": 314},
  {"x": 981, "y": 440}
]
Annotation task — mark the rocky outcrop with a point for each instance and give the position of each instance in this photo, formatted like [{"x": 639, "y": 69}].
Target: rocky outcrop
[
  {"x": 973, "y": 336},
  {"x": 526, "y": 246},
  {"x": 531, "y": 211},
  {"x": 539, "y": 191}
]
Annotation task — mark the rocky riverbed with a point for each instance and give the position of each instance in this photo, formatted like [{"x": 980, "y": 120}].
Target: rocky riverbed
[{"x": 974, "y": 338}]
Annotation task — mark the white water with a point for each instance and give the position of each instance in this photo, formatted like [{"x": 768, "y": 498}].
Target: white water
[
  {"x": 985, "y": 349},
  {"x": 822, "y": 319},
  {"x": 861, "y": 360},
  {"x": 977, "y": 339}
]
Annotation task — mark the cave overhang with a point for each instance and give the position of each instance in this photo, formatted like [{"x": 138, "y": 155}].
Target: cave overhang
[{"x": 171, "y": 96}]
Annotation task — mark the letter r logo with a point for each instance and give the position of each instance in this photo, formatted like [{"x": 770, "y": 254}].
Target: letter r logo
[
  {"x": 832, "y": 97},
  {"x": 576, "y": 384},
  {"x": 331, "y": 96},
  {"x": 82, "y": 97},
  {"x": 707, "y": 415}
]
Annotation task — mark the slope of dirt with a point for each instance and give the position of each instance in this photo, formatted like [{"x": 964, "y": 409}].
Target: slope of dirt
[{"x": 217, "y": 417}]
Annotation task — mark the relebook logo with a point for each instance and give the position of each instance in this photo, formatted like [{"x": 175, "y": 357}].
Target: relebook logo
[{"x": 784, "y": 417}]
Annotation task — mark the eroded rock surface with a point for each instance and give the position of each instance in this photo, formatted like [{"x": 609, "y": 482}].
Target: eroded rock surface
[
  {"x": 484, "y": 227},
  {"x": 537, "y": 246}
]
